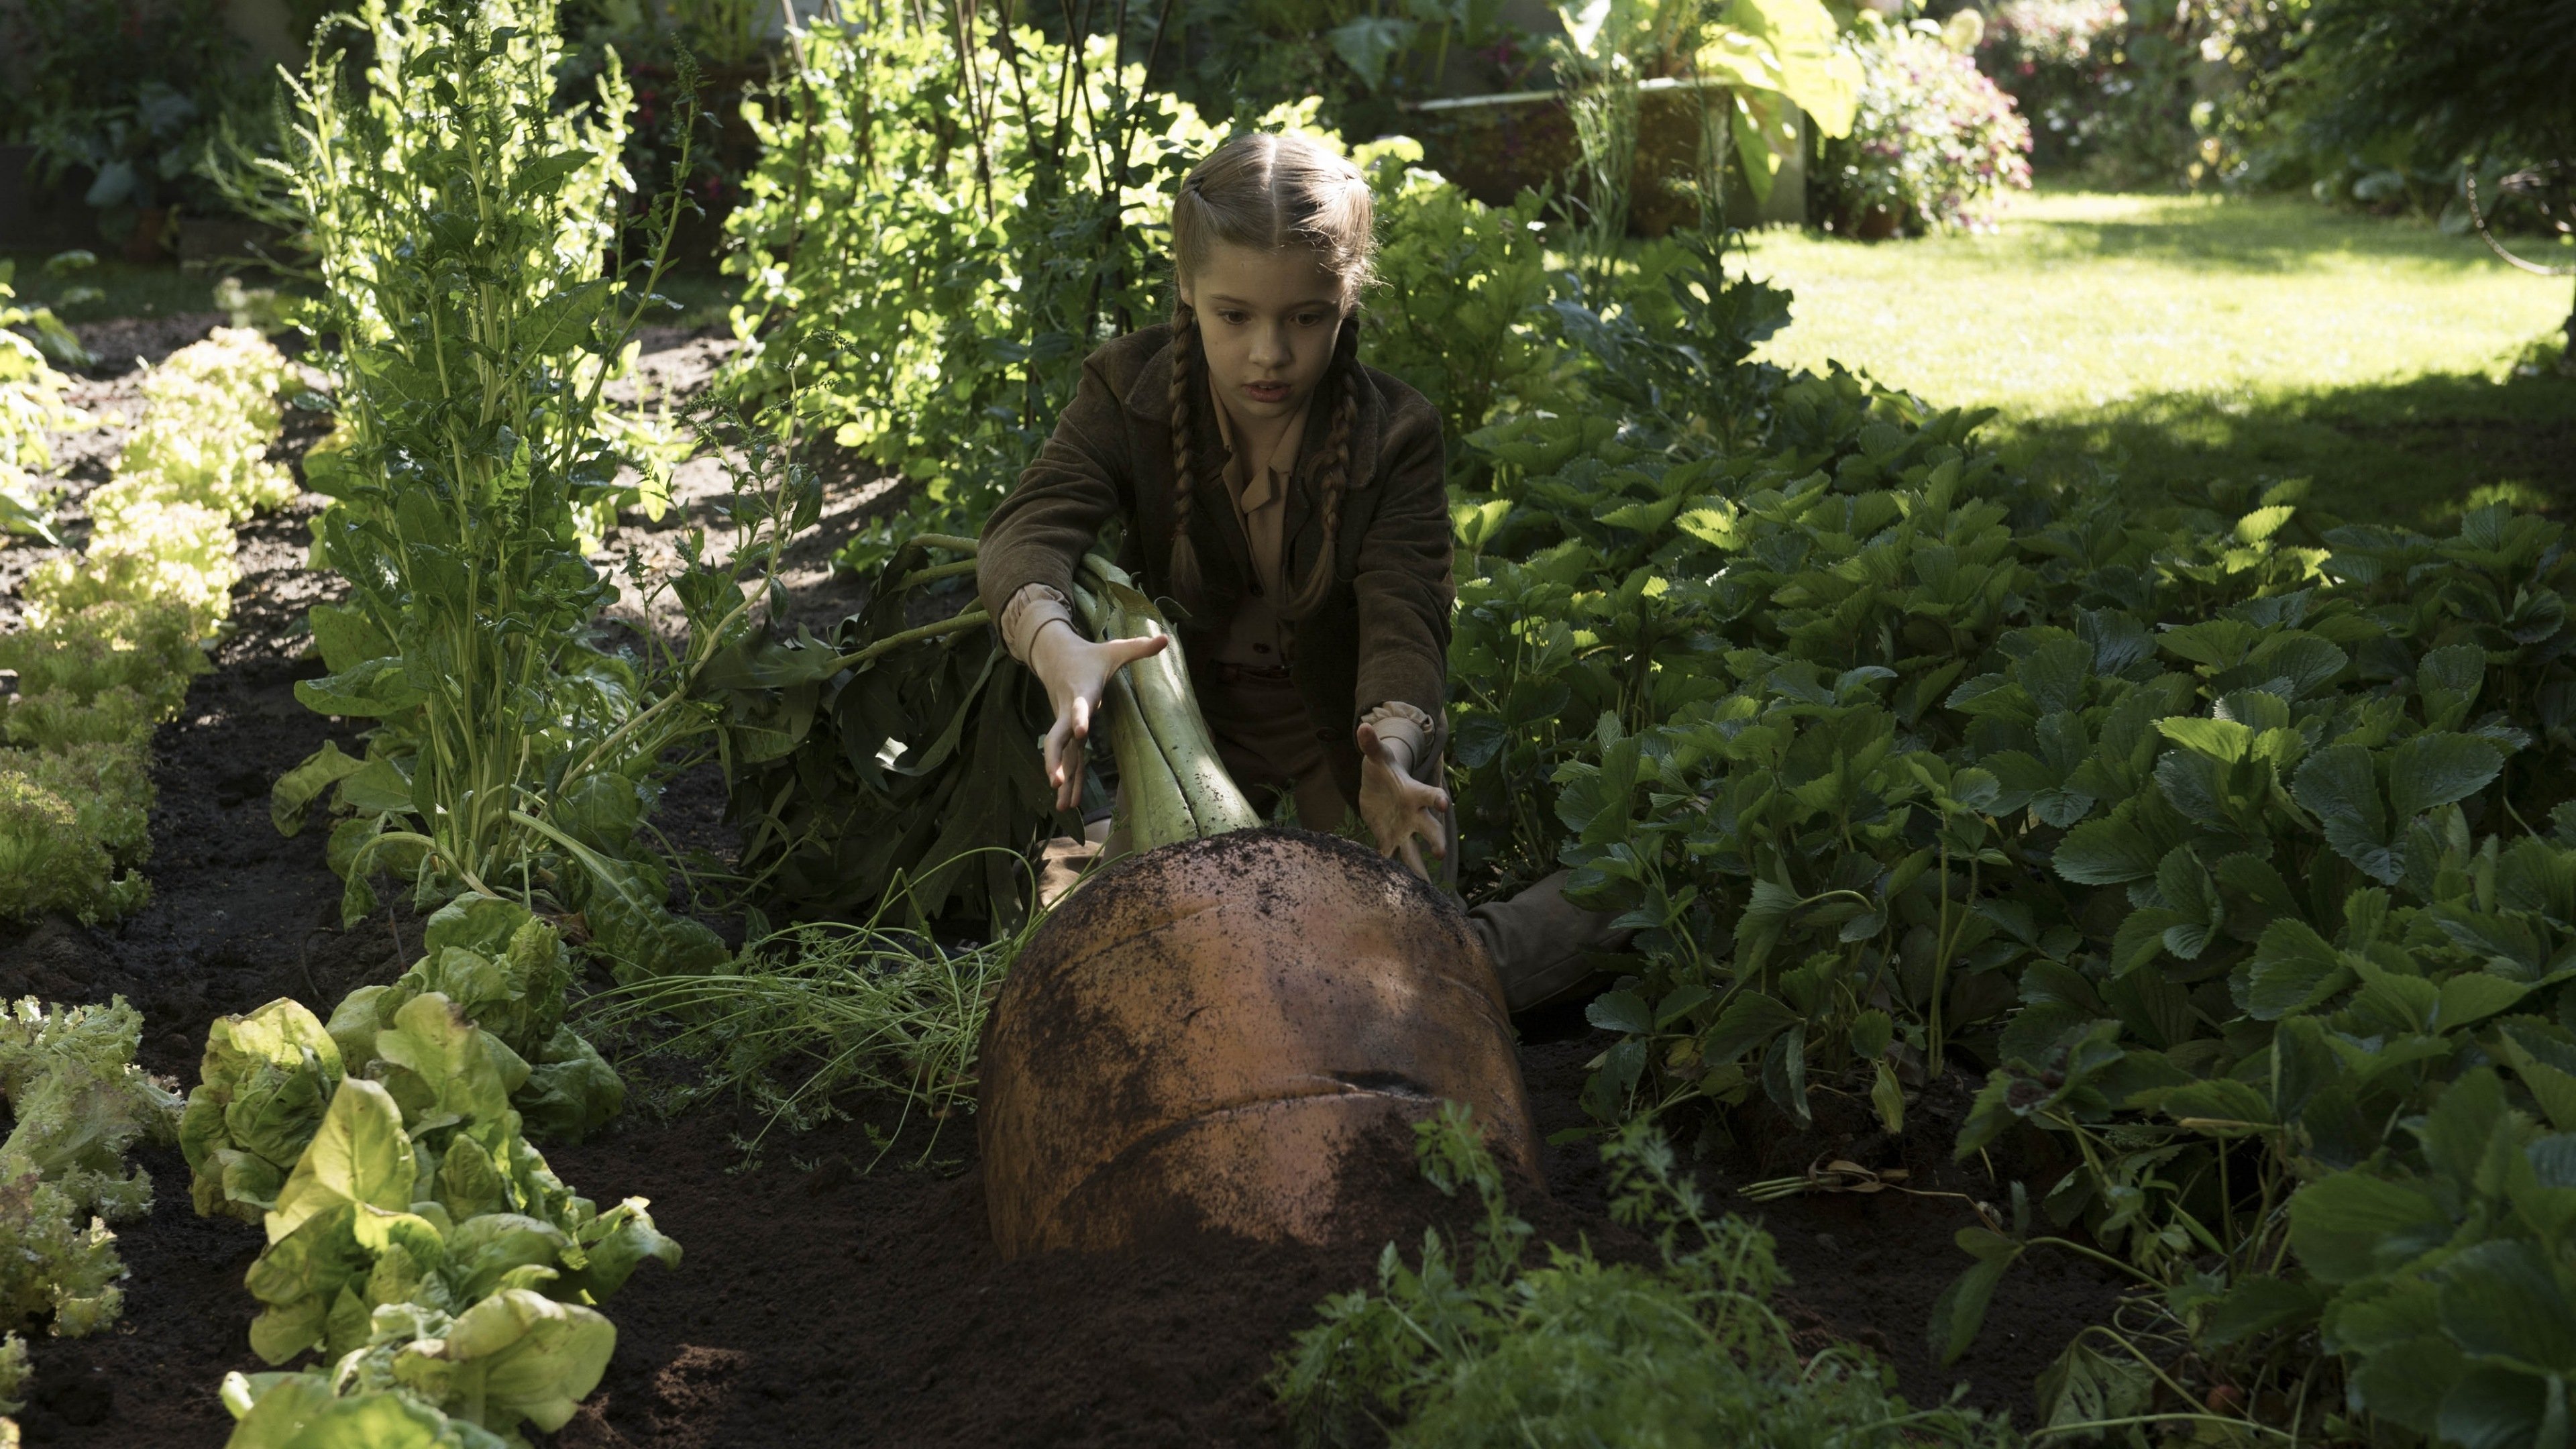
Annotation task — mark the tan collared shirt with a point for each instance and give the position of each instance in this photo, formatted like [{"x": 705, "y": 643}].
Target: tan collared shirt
[
  {"x": 1260, "y": 492},
  {"x": 1256, "y": 635}
]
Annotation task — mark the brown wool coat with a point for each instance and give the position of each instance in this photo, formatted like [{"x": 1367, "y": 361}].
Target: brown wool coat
[{"x": 1382, "y": 632}]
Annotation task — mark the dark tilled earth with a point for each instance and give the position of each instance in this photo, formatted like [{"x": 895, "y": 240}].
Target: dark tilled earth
[{"x": 824, "y": 1300}]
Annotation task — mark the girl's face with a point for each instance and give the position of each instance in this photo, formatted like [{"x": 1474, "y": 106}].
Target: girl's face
[{"x": 1267, "y": 323}]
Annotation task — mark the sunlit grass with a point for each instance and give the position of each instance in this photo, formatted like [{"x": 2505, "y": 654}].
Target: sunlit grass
[{"x": 2210, "y": 336}]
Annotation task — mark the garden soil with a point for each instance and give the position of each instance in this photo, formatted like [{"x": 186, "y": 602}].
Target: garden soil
[{"x": 833, "y": 1293}]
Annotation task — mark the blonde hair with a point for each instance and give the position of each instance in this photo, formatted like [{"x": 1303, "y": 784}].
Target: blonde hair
[{"x": 1270, "y": 192}]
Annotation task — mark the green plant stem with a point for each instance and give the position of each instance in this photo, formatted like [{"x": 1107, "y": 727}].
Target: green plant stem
[
  {"x": 936, "y": 572},
  {"x": 2102, "y": 1258},
  {"x": 967, "y": 620}
]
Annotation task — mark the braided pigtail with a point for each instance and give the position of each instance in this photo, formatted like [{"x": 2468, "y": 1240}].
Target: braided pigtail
[
  {"x": 1332, "y": 473},
  {"x": 1184, "y": 562}
]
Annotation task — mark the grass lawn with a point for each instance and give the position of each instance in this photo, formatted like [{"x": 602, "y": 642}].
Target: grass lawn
[{"x": 2170, "y": 338}]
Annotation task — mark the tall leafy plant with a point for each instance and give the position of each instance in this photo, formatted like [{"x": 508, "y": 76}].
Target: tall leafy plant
[
  {"x": 947, "y": 219},
  {"x": 1754, "y": 65},
  {"x": 459, "y": 222}
]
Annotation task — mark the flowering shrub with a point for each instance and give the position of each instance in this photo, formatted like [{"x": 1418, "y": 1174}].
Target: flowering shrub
[{"x": 1934, "y": 144}]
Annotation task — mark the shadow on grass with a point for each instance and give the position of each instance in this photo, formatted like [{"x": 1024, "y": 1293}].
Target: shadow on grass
[
  {"x": 2255, "y": 235},
  {"x": 2413, "y": 452}
]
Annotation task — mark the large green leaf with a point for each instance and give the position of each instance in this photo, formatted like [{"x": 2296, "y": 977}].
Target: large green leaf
[
  {"x": 1961, "y": 1309},
  {"x": 370, "y": 690},
  {"x": 300, "y": 787},
  {"x": 2432, "y": 770},
  {"x": 1806, "y": 63},
  {"x": 563, "y": 321},
  {"x": 346, "y": 636},
  {"x": 2503, "y": 1301},
  {"x": 360, "y": 1154},
  {"x": 2497, "y": 1408},
  {"x": 520, "y": 1355},
  {"x": 443, "y": 1069},
  {"x": 2349, "y": 1225},
  {"x": 2340, "y": 785},
  {"x": 2105, "y": 852}
]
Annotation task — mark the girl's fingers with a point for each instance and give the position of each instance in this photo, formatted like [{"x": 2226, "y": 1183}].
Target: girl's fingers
[
  {"x": 1413, "y": 858},
  {"x": 1053, "y": 749},
  {"x": 1131, "y": 650}
]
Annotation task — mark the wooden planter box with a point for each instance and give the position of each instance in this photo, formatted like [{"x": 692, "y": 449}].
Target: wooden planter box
[{"x": 1494, "y": 146}]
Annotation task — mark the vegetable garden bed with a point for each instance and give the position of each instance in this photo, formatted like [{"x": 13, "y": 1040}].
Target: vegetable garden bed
[{"x": 832, "y": 1295}]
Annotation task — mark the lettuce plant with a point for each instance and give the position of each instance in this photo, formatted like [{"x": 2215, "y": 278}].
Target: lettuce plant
[
  {"x": 260, "y": 1095},
  {"x": 426, "y": 1378},
  {"x": 112, "y": 633},
  {"x": 48, "y": 864},
  {"x": 79, "y": 1103},
  {"x": 62, "y": 1263},
  {"x": 505, "y": 969},
  {"x": 13, "y": 1373},
  {"x": 418, "y": 1188},
  {"x": 268, "y": 1076},
  {"x": 31, "y": 408},
  {"x": 138, "y": 644},
  {"x": 197, "y": 463}
]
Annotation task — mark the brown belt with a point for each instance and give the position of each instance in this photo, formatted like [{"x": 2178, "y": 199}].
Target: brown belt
[{"x": 1223, "y": 672}]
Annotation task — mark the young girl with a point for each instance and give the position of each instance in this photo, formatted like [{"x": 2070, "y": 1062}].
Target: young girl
[{"x": 1292, "y": 501}]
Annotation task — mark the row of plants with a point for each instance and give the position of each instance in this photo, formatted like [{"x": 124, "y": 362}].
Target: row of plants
[
  {"x": 2214, "y": 838},
  {"x": 415, "y": 1238},
  {"x": 113, "y": 633},
  {"x": 77, "y": 1105}
]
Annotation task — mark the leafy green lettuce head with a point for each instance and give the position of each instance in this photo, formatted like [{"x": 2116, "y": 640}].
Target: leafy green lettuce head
[
  {"x": 80, "y": 1102},
  {"x": 504, "y": 970},
  {"x": 55, "y": 1265},
  {"x": 433, "y": 1380},
  {"x": 500, "y": 964},
  {"x": 264, "y": 1084}
]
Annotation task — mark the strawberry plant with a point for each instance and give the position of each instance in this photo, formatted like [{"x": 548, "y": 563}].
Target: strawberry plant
[{"x": 2213, "y": 835}]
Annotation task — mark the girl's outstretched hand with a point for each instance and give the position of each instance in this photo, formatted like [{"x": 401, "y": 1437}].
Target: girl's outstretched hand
[
  {"x": 1075, "y": 672},
  {"x": 1397, "y": 807}
]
